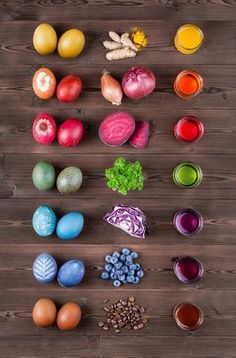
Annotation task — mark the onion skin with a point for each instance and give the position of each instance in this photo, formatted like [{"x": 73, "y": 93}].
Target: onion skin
[
  {"x": 138, "y": 82},
  {"x": 111, "y": 89}
]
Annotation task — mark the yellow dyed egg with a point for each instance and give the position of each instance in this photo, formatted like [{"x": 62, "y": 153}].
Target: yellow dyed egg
[
  {"x": 71, "y": 43},
  {"x": 45, "y": 39}
]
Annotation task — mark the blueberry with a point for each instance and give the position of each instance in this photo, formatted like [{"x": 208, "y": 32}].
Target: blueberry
[
  {"x": 105, "y": 275},
  {"x": 121, "y": 278},
  {"x": 131, "y": 279},
  {"x": 125, "y": 269},
  {"x": 113, "y": 269},
  {"x": 108, "y": 258},
  {"x": 114, "y": 260},
  {"x": 122, "y": 258},
  {"x": 108, "y": 267},
  {"x": 131, "y": 273},
  {"x": 113, "y": 276},
  {"x": 118, "y": 265},
  {"x": 125, "y": 251},
  {"x": 119, "y": 272},
  {"x": 116, "y": 283},
  {"x": 129, "y": 259},
  {"x": 116, "y": 254},
  {"x": 136, "y": 280},
  {"x": 134, "y": 254},
  {"x": 132, "y": 267},
  {"x": 140, "y": 273},
  {"x": 137, "y": 266}
]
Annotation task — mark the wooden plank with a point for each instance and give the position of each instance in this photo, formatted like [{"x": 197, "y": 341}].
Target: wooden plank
[
  {"x": 156, "y": 260},
  {"x": 119, "y": 10},
  {"x": 219, "y": 221},
  {"x": 15, "y": 49},
  {"x": 217, "y": 184}
]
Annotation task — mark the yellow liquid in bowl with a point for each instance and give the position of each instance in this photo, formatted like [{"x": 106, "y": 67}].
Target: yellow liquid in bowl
[{"x": 188, "y": 39}]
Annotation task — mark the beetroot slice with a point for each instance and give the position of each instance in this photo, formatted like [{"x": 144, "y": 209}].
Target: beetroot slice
[
  {"x": 116, "y": 128},
  {"x": 140, "y": 137}
]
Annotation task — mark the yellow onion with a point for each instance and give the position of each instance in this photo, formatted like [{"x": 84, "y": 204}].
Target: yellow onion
[{"x": 111, "y": 89}]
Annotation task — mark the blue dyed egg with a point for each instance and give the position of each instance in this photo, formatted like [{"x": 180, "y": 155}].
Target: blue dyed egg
[
  {"x": 70, "y": 226},
  {"x": 44, "y": 221},
  {"x": 71, "y": 273},
  {"x": 44, "y": 268}
]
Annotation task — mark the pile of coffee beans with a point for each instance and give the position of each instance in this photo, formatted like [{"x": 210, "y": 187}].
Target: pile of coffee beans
[
  {"x": 125, "y": 314},
  {"x": 121, "y": 267}
]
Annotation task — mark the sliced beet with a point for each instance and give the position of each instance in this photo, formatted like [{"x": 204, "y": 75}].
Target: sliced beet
[
  {"x": 140, "y": 137},
  {"x": 116, "y": 128}
]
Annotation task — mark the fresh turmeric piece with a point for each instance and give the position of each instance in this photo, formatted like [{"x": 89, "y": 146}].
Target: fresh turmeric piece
[
  {"x": 120, "y": 54},
  {"x": 112, "y": 45},
  {"x": 125, "y": 40},
  {"x": 139, "y": 38},
  {"x": 114, "y": 36}
]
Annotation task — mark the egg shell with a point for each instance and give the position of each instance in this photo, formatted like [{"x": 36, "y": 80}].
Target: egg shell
[
  {"x": 71, "y": 273},
  {"x": 69, "y": 316},
  {"x": 70, "y": 225},
  {"x": 69, "y": 180},
  {"x": 44, "y": 268},
  {"x": 44, "y": 176},
  {"x": 44, "y": 221},
  {"x": 44, "y": 312}
]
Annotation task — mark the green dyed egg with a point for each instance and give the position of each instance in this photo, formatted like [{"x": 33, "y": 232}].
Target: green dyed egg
[
  {"x": 69, "y": 180},
  {"x": 44, "y": 176}
]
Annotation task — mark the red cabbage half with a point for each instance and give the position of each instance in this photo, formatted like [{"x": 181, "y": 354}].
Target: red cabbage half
[{"x": 131, "y": 220}]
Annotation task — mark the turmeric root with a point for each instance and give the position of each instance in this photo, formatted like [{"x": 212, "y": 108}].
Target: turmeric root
[
  {"x": 112, "y": 45},
  {"x": 125, "y": 40},
  {"x": 120, "y": 54},
  {"x": 114, "y": 36}
]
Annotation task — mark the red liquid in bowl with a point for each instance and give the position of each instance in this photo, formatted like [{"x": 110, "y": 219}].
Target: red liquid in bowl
[
  {"x": 188, "y": 129},
  {"x": 188, "y": 269},
  {"x": 188, "y": 222}
]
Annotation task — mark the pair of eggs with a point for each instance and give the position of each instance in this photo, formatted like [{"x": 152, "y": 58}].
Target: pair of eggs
[
  {"x": 45, "y": 314},
  {"x": 68, "y": 181},
  {"x": 69, "y": 226},
  {"x": 70, "y": 274}
]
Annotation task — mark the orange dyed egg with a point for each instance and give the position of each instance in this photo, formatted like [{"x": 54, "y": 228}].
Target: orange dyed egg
[
  {"x": 44, "y": 83},
  {"x": 188, "y": 85},
  {"x": 69, "y": 316},
  {"x": 44, "y": 312}
]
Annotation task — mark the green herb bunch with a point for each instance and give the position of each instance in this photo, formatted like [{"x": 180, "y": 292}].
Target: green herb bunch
[{"x": 125, "y": 176}]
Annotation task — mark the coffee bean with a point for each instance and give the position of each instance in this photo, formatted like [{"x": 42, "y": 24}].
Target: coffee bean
[
  {"x": 105, "y": 328},
  {"x": 100, "y": 324}
]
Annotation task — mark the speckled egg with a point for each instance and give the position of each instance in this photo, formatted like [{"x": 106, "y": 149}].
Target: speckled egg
[
  {"x": 71, "y": 273},
  {"x": 69, "y": 180},
  {"x": 44, "y": 268},
  {"x": 44, "y": 221},
  {"x": 70, "y": 226}
]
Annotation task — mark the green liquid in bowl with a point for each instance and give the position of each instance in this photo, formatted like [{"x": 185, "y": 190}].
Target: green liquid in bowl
[{"x": 187, "y": 175}]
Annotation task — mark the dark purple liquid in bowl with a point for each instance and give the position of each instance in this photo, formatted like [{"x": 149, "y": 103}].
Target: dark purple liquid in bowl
[
  {"x": 188, "y": 269},
  {"x": 188, "y": 221}
]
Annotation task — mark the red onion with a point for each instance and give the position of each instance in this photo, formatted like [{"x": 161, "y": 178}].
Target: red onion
[{"x": 138, "y": 82}]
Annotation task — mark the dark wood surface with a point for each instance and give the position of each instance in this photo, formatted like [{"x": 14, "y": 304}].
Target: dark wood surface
[{"x": 215, "y": 246}]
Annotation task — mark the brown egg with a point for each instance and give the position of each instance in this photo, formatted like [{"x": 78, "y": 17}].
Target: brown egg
[
  {"x": 44, "y": 312},
  {"x": 69, "y": 316}
]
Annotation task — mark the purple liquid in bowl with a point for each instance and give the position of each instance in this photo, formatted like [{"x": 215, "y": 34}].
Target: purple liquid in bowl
[
  {"x": 188, "y": 269},
  {"x": 188, "y": 222}
]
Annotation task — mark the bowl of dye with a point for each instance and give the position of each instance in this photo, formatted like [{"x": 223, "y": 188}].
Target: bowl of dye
[
  {"x": 188, "y": 39},
  {"x": 187, "y": 175},
  {"x": 188, "y": 316},
  {"x": 188, "y": 222},
  {"x": 188, "y": 84},
  {"x": 188, "y": 130},
  {"x": 188, "y": 269}
]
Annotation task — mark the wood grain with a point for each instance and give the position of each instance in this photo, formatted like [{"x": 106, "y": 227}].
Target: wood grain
[{"x": 159, "y": 291}]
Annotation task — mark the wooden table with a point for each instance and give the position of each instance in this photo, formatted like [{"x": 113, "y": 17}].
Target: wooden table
[{"x": 159, "y": 291}]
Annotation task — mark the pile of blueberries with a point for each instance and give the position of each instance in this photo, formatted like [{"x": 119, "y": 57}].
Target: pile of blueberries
[{"x": 121, "y": 268}]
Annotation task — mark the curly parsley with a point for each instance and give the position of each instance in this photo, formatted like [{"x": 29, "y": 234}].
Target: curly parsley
[{"x": 125, "y": 176}]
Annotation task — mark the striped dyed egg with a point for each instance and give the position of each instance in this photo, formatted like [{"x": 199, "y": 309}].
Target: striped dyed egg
[{"x": 44, "y": 268}]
